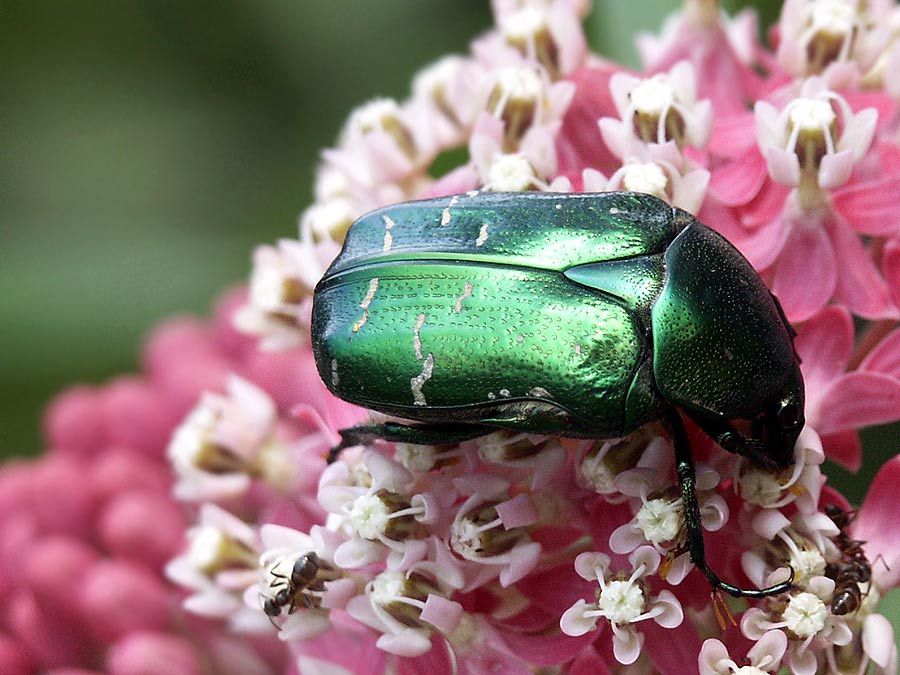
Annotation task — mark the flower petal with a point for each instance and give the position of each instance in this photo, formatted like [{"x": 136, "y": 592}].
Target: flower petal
[
  {"x": 760, "y": 245},
  {"x": 627, "y": 644},
  {"x": 770, "y": 647},
  {"x": 859, "y": 285},
  {"x": 872, "y": 207},
  {"x": 885, "y": 357},
  {"x": 802, "y": 661},
  {"x": 807, "y": 248},
  {"x": 672, "y": 614},
  {"x": 732, "y": 136},
  {"x": 579, "y": 144},
  {"x": 766, "y": 206},
  {"x": 860, "y": 399},
  {"x": 876, "y": 524},
  {"x": 736, "y": 183},
  {"x": 845, "y": 448},
  {"x": 784, "y": 167},
  {"x": 878, "y": 639},
  {"x": 409, "y": 642},
  {"x": 835, "y": 169},
  {"x": 574, "y": 622},
  {"x": 824, "y": 344},
  {"x": 714, "y": 658},
  {"x": 891, "y": 267},
  {"x": 442, "y": 613}
]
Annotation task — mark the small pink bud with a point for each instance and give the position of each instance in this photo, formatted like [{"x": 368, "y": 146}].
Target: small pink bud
[
  {"x": 73, "y": 421},
  {"x": 62, "y": 501},
  {"x": 14, "y": 657},
  {"x": 52, "y": 639},
  {"x": 15, "y": 487},
  {"x": 120, "y": 597},
  {"x": 136, "y": 415},
  {"x": 54, "y": 569},
  {"x": 150, "y": 653},
  {"x": 126, "y": 531},
  {"x": 126, "y": 470},
  {"x": 227, "y": 337},
  {"x": 183, "y": 361}
]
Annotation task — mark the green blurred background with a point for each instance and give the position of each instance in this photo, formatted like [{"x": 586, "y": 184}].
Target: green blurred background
[{"x": 148, "y": 146}]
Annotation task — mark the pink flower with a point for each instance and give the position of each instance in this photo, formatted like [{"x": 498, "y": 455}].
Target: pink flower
[
  {"x": 405, "y": 607},
  {"x": 722, "y": 51},
  {"x": 801, "y": 138},
  {"x": 225, "y": 443},
  {"x": 806, "y": 618},
  {"x": 837, "y": 38},
  {"x": 283, "y": 279},
  {"x": 657, "y": 109},
  {"x": 764, "y": 657},
  {"x": 510, "y": 552},
  {"x": 840, "y": 401},
  {"x": 220, "y": 563},
  {"x": 873, "y": 526}
]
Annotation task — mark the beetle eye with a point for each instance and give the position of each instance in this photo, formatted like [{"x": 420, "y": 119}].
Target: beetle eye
[
  {"x": 788, "y": 416},
  {"x": 730, "y": 441}
]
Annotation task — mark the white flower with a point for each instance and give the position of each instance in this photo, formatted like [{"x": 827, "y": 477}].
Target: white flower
[{"x": 623, "y": 600}]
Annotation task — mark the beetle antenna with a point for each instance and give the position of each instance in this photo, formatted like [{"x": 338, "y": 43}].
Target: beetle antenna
[{"x": 684, "y": 465}]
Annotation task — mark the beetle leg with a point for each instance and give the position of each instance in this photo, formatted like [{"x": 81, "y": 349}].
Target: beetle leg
[
  {"x": 416, "y": 434},
  {"x": 684, "y": 465}
]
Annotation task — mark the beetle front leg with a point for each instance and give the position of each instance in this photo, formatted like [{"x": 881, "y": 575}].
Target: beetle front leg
[
  {"x": 730, "y": 439},
  {"x": 416, "y": 434},
  {"x": 684, "y": 465}
]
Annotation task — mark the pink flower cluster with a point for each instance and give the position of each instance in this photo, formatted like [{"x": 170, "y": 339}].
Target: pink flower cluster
[{"x": 185, "y": 519}]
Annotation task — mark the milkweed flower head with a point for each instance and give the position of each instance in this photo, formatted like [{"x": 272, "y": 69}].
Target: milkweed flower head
[{"x": 513, "y": 552}]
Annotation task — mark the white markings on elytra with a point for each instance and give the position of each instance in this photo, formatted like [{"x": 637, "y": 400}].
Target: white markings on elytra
[
  {"x": 388, "y": 237},
  {"x": 373, "y": 286},
  {"x": 614, "y": 211},
  {"x": 417, "y": 337},
  {"x": 578, "y": 349},
  {"x": 366, "y": 301},
  {"x": 520, "y": 338},
  {"x": 467, "y": 293},
  {"x": 539, "y": 392},
  {"x": 416, "y": 383},
  {"x": 472, "y": 193},
  {"x": 445, "y": 214},
  {"x": 504, "y": 393},
  {"x": 482, "y": 235},
  {"x": 361, "y": 321},
  {"x": 335, "y": 380}
]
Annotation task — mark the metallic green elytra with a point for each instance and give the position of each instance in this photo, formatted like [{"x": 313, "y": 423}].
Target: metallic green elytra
[{"x": 582, "y": 315}]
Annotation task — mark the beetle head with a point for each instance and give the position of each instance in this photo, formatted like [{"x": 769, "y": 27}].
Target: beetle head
[
  {"x": 770, "y": 437},
  {"x": 783, "y": 420}
]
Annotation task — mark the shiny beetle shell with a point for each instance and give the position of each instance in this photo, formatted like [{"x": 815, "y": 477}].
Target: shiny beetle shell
[{"x": 583, "y": 315}]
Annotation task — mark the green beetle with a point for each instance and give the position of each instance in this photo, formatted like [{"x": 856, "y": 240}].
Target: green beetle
[{"x": 580, "y": 315}]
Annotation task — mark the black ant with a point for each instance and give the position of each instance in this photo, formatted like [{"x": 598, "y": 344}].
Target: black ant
[
  {"x": 291, "y": 591},
  {"x": 852, "y": 569}
]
